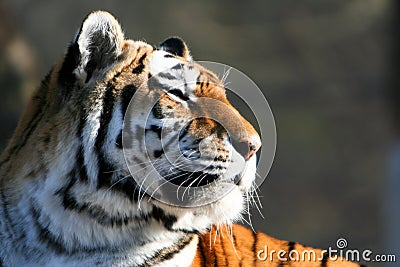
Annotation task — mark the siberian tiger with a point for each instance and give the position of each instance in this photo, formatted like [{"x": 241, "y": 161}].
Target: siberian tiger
[{"x": 67, "y": 197}]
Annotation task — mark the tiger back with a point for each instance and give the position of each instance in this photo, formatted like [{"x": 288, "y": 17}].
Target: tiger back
[{"x": 67, "y": 194}]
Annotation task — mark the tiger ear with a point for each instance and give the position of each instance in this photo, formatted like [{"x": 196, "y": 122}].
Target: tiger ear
[
  {"x": 176, "y": 46},
  {"x": 96, "y": 46}
]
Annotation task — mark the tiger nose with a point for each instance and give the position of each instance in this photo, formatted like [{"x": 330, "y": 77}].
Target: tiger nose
[{"x": 247, "y": 146}]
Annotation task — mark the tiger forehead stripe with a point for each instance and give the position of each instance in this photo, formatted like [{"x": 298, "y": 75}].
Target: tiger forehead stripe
[{"x": 173, "y": 73}]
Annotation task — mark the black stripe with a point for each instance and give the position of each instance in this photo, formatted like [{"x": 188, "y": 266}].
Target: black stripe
[
  {"x": 102, "y": 217},
  {"x": 290, "y": 248},
  {"x": 202, "y": 253},
  {"x": 127, "y": 93},
  {"x": 80, "y": 156},
  {"x": 224, "y": 252},
  {"x": 167, "y": 220},
  {"x": 200, "y": 84},
  {"x": 140, "y": 67},
  {"x": 66, "y": 76},
  {"x": 178, "y": 93},
  {"x": 45, "y": 236},
  {"x": 324, "y": 260},
  {"x": 235, "y": 246},
  {"x": 157, "y": 129},
  {"x": 104, "y": 180},
  {"x": 118, "y": 140},
  {"x": 5, "y": 160},
  {"x": 54, "y": 243},
  {"x": 105, "y": 168},
  {"x": 106, "y": 114},
  {"x": 254, "y": 248},
  {"x": 185, "y": 231},
  {"x": 184, "y": 131},
  {"x": 68, "y": 201},
  {"x": 104, "y": 177},
  {"x": 214, "y": 250},
  {"x": 157, "y": 111},
  {"x": 178, "y": 66},
  {"x": 291, "y": 245},
  {"x": 168, "y": 252},
  {"x": 96, "y": 212},
  {"x": 80, "y": 165},
  {"x": 15, "y": 235},
  {"x": 158, "y": 153},
  {"x": 126, "y": 96},
  {"x": 154, "y": 83},
  {"x": 7, "y": 217},
  {"x": 128, "y": 187},
  {"x": 167, "y": 75},
  {"x": 29, "y": 129}
]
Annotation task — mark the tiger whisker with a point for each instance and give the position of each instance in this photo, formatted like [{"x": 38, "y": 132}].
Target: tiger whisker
[
  {"x": 225, "y": 76},
  {"x": 130, "y": 175},
  {"x": 248, "y": 212},
  {"x": 117, "y": 170},
  {"x": 124, "y": 169},
  {"x": 231, "y": 238},
  {"x": 188, "y": 187},
  {"x": 165, "y": 182},
  {"x": 154, "y": 164},
  {"x": 116, "y": 182},
  {"x": 155, "y": 169},
  {"x": 177, "y": 191},
  {"x": 257, "y": 202},
  {"x": 144, "y": 180}
]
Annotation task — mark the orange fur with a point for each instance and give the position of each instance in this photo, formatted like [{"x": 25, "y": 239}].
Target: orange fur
[{"x": 240, "y": 248}]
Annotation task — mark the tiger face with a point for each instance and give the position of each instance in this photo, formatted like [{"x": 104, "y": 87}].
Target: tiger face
[
  {"x": 190, "y": 135},
  {"x": 111, "y": 116}
]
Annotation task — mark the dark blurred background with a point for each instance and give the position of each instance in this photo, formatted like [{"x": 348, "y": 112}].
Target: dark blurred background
[{"x": 328, "y": 68}]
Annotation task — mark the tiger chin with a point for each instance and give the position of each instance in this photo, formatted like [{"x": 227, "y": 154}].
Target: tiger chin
[{"x": 67, "y": 196}]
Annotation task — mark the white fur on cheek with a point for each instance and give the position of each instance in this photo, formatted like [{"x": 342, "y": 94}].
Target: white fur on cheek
[
  {"x": 227, "y": 209},
  {"x": 224, "y": 211},
  {"x": 249, "y": 174}
]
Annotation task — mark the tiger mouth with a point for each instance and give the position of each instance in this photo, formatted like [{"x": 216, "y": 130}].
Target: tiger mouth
[
  {"x": 192, "y": 179},
  {"x": 198, "y": 179}
]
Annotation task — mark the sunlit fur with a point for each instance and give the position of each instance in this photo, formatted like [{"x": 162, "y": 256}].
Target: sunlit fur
[{"x": 67, "y": 197}]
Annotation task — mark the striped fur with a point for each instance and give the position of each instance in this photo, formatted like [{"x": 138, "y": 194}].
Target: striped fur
[{"x": 67, "y": 197}]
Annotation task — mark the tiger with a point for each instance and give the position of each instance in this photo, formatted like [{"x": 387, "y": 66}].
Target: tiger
[{"x": 67, "y": 195}]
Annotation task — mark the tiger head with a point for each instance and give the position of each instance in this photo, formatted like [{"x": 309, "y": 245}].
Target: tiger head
[{"x": 75, "y": 126}]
